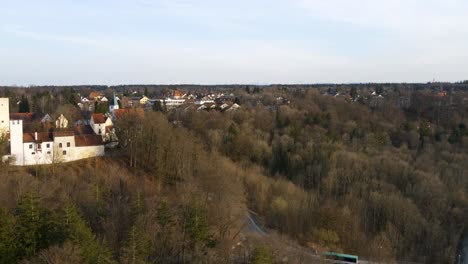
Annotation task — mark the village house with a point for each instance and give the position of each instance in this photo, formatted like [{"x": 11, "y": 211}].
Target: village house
[
  {"x": 144, "y": 100},
  {"x": 102, "y": 125},
  {"x": 35, "y": 139},
  {"x": 95, "y": 96}
]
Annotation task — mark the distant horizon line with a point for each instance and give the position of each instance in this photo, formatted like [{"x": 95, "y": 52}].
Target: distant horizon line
[{"x": 227, "y": 84}]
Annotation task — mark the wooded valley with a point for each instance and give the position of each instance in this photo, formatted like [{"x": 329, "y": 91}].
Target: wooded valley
[{"x": 379, "y": 181}]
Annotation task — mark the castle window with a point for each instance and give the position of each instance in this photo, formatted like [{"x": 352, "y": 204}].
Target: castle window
[
  {"x": 64, "y": 152},
  {"x": 30, "y": 146},
  {"x": 48, "y": 152},
  {"x": 68, "y": 144},
  {"x": 3, "y": 121},
  {"x": 60, "y": 145},
  {"x": 33, "y": 153},
  {"x": 99, "y": 132},
  {"x": 48, "y": 145}
]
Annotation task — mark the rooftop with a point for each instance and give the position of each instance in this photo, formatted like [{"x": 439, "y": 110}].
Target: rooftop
[{"x": 99, "y": 118}]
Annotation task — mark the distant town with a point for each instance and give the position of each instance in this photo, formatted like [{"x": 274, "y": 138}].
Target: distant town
[{"x": 36, "y": 137}]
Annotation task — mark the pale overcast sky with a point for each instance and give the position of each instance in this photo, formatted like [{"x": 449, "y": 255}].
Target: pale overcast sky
[{"x": 236, "y": 41}]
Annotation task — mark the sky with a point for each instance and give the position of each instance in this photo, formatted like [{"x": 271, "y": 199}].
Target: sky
[{"x": 108, "y": 42}]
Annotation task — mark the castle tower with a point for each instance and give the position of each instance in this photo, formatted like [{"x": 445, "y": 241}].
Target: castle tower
[
  {"x": 16, "y": 141},
  {"x": 4, "y": 116}
]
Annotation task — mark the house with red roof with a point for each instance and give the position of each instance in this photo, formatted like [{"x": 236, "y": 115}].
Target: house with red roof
[
  {"x": 32, "y": 146},
  {"x": 102, "y": 125}
]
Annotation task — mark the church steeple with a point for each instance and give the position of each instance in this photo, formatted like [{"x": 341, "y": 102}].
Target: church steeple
[
  {"x": 113, "y": 105},
  {"x": 116, "y": 104}
]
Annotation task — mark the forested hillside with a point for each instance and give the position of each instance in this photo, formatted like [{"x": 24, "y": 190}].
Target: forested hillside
[
  {"x": 383, "y": 183},
  {"x": 109, "y": 210},
  {"x": 332, "y": 173}
]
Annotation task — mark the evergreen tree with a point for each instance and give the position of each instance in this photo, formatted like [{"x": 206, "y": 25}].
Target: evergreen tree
[
  {"x": 137, "y": 249},
  {"x": 157, "y": 106},
  {"x": 79, "y": 233},
  {"x": 197, "y": 228},
  {"x": 24, "y": 105},
  {"x": 101, "y": 107},
  {"x": 166, "y": 223},
  {"x": 8, "y": 246},
  {"x": 353, "y": 93},
  {"x": 36, "y": 227}
]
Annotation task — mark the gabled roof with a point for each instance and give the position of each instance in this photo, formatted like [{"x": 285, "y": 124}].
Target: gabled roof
[
  {"x": 63, "y": 133},
  {"x": 93, "y": 95},
  {"x": 177, "y": 93},
  {"x": 88, "y": 140},
  {"x": 41, "y": 137},
  {"x": 99, "y": 118},
  {"x": 27, "y": 117}
]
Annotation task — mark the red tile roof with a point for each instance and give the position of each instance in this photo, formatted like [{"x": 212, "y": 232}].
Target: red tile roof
[
  {"x": 177, "y": 93},
  {"x": 99, "y": 118},
  {"x": 41, "y": 137},
  {"x": 63, "y": 133},
  {"x": 88, "y": 140},
  {"x": 93, "y": 95},
  {"x": 26, "y": 117}
]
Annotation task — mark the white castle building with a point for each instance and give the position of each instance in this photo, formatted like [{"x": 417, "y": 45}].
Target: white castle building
[
  {"x": 4, "y": 116},
  {"x": 57, "y": 144}
]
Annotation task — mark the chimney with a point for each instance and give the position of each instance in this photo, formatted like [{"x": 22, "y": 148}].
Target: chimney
[{"x": 35, "y": 135}]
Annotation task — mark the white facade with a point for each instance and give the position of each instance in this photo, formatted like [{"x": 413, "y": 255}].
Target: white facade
[
  {"x": 169, "y": 102},
  {"x": 87, "y": 152},
  {"x": 64, "y": 148},
  {"x": 61, "y": 122},
  {"x": 4, "y": 116},
  {"x": 47, "y": 147},
  {"x": 37, "y": 153},
  {"x": 100, "y": 128},
  {"x": 201, "y": 102},
  {"x": 16, "y": 141},
  {"x": 60, "y": 149}
]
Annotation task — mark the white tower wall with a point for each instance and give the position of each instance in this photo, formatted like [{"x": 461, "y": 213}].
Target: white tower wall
[
  {"x": 4, "y": 116},
  {"x": 16, "y": 141}
]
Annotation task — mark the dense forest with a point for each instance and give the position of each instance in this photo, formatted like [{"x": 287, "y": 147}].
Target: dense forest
[
  {"x": 332, "y": 173},
  {"x": 384, "y": 182}
]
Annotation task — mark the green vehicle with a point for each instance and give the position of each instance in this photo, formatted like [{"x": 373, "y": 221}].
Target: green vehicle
[{"x": 333, "y": 257}]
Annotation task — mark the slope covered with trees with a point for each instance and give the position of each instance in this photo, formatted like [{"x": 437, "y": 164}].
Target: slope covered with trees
[
  {"x": 333, "y": 173},
  {"x": 170, "y": 208},
  {"x": 382, "y": 183}
]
